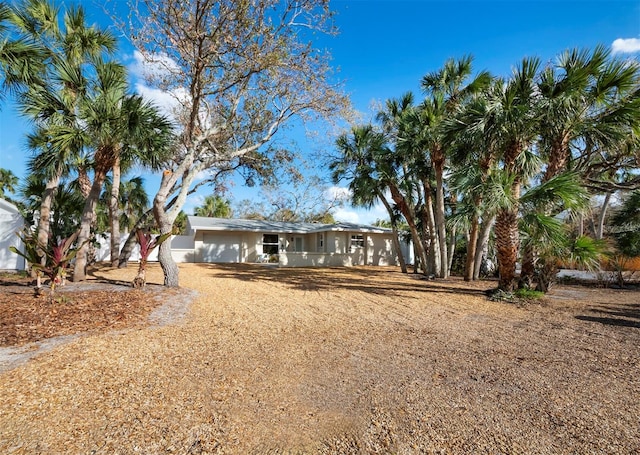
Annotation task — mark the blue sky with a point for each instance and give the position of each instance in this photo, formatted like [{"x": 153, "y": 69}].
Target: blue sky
[{"x": 385, "y": 47}]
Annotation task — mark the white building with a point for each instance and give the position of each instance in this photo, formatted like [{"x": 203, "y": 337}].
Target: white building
[
  {"x": 218, "y": 240},
  {"x": 11, "y": 222}
]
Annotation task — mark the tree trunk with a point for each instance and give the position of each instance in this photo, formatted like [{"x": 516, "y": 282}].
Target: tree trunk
[
  {"x": 483, "y": 241},
  {"x": 400, "y": 201},
  {"x": 440, "y": 219},
  {"x": 44, "y": 224},
  {"x": 88, "y": 215},
  {"x": 130, "y": 243},
  {"x": 451, "y": 250},
  {"x": 140, "y": 280},
  {"x": 471, "y": 249},
  {"x": 84, "y": 182},
  {"x": 169, "y": 266},
  {"x": 430, "y": 221},
  {"x": 528, "y": 268},
  {"x": 507, "y": 243},
  {"x": 547, "y": 277},
  {"x": 165, "y": 224},
  {"x": 603, "y": 214},
  {"x": 114, "y": 212},
  {"x": 394, "y": 227}
]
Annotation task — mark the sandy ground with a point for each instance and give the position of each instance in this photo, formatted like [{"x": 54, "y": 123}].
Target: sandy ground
[{"x": 359, "y": 360}]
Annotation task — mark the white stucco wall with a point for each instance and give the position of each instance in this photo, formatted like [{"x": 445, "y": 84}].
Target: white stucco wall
[
  {"x": 10, "y": 222},
  {"x": 380, "y": 250},
  {"x": 181, "y": 249},
  {"x": 319, "y": 259}
]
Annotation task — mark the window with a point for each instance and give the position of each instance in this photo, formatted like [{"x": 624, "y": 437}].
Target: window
[
  {"x": 320, "y": 242},
  {"x": 270, "y": 243},
  {"x": 357, "y": 241}
]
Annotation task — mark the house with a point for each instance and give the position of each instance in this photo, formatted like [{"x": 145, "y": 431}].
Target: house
[
  {"x": 217, "y": 240},
  {"x": 10, "y": 222}
]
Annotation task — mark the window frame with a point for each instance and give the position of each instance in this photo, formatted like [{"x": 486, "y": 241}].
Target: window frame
[
  {"x": 270, "y": 247},
  {"x": 357, "y": 242}
]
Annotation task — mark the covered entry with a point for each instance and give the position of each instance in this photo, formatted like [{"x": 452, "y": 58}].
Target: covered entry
[{"x": 221, "y": 247}]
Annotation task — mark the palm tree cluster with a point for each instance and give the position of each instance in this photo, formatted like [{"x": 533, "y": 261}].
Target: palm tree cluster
[
  {"x": 88, "y": 126},
  {"x": 512, "y": 160}
]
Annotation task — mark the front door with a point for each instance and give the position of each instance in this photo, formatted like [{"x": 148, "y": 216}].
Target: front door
[{"x": 297, "y": 244}]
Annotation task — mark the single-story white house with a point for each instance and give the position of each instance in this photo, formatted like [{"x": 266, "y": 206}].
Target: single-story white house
[
  {"x": 220, "y": 240},
  {"x": 10, "y": 222}
]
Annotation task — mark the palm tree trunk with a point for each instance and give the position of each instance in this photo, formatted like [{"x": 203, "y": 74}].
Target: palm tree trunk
[
  {"x": 471, "y": 249},
  {"x": 114, "y": 204},
  {"x": 394, "y": 228},
  {"x": 440, "y": 221},
  {"x": 400, "y": 201},
  {"x": 451, "y": 250},
  {"x": 558, "y": 159},
  {"x": 88, "y": 216},
  {"x": 396, "y": 245},
  {"x": 44, "y": 223},
  {"x": 483, "y": 240},
  {"x": 84, "y": 182},
  {"x": 435, "y": 264},
  {"x": 528, "y": 268},
  {"x": 603, "y": 214},
  {"x": 507, "y": 243}
]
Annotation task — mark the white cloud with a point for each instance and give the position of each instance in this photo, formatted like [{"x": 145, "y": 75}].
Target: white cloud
[
  {"x": 347, "y": 216},
  {"x": 168, "y": 102},
  {"x": 149, "y": 67},
  {"x": 157, "y": 65},
  {"x": 627, "y": 46}
]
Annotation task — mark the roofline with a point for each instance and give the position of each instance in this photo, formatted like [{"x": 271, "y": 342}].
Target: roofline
[{"x": 307, "y": 228}]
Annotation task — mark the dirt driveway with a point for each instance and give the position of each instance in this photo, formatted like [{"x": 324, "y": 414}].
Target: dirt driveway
[{"x": 358, "y": 360}]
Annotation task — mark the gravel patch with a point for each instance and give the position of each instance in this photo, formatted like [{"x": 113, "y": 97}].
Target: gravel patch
[{"x": 339, "y": 361}]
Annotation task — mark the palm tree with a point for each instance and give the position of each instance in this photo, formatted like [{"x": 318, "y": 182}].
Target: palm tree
[
  {"x": 585, "y": 98},
  {"x": 626, "y": 225},
  {"x": 22, "y": 61},
  {"x": 214, "y": 206},
  {"x": 51, "y": 77},
  {"x": 356, "y": 165},
  {"x": 114, "y": 122},
  {"x": 473, "y": 158},
  {"x": 446, "y": 90},
  {"x": 404, "y": 172},
  {"x": 510, "y": 124},
  {"x": 134, "y": 201},
  {"x": 66, "y": 205},
  {"x": 8, "y": 182},
  {"x": 145, "y": 142},
  {"x": 547, "y": 233}
]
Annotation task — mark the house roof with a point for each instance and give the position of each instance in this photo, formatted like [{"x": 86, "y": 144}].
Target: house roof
[{"x": 200, "y": 223}]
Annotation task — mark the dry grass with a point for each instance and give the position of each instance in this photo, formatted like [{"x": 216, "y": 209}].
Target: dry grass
[{"x": 358, "y": 360}]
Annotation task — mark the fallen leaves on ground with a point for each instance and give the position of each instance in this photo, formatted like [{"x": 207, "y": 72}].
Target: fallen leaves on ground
[{"x": 26, "y": 318}]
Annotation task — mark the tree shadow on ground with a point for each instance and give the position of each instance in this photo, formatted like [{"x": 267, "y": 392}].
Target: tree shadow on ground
[
  {"x": 97, "y": 277},
  {"x": 378, "y": 279},
  {"x": 623, "y": 315}
]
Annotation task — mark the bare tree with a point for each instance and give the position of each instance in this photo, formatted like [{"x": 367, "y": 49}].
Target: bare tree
[{"x": 239, "y": 71}]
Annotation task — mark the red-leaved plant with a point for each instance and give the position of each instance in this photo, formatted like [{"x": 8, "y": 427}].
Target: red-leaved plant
[
  {"x": 56, "y": 254},
  {"x": 147, "y": 244}
]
